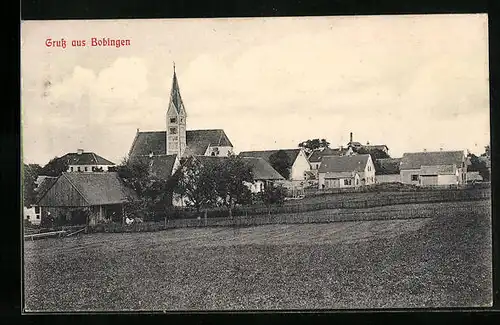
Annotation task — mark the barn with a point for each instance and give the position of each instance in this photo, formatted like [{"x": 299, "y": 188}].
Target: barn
[{"x": 88, "y": 198}]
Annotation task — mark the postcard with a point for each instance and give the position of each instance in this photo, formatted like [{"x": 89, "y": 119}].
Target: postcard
[{"x": 231, "y": 164}]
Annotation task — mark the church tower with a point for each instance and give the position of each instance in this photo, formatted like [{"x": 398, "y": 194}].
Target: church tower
[{"x": 176, "y": 121}]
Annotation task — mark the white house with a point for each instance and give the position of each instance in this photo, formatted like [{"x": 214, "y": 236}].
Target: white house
[
  {"x": 346, "y": 171},
  {"x": 81, "y": 161},
  {"x": 316, "y": 156},
  {"x": 32, "y": 214},
  {"x": 434, "y": 168},
  {"x": 297, "y": 157}
]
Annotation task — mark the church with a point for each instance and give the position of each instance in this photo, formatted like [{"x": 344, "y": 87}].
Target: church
[{"x": 176, "y": 141}]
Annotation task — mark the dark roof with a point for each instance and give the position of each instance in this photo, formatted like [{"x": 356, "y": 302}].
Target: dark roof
[
  {"x": 100, "y": 188},
  {"x": 161, "y": 166},
  {"x": 197, "y": 142},
  {"x": 339, "y": 164},
  {"x": 85, "y": 158},
  {"x": 262, "y": 170},
  {"x": 42, "y": 188},
  {"x": 375, "y": 146},
  {"x": 265, "y": 154},
  {"x": 416, "y": 160},
  {"x": 175, "y": 95},
  {"x": 387, "y": 166},
  {"x": 316, "y": 155}
]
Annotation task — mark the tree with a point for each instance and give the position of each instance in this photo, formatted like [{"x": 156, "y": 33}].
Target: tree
[
  {"x": 478, "y": 165},
  {"x": 313, "y": 144},
  {"x": 487, "y": 152},
  {"x": 281, "y": 162},
  {"x": 273, "y": 194},
  {"x": 230, "y": 178},
  {"x": 55, "y": 167},
  {"x": 196, "y": 182},
  {"x": 152, "y": 191},
  {"x": 374, "y": 153},
  {"x": 30, "y": 175}
]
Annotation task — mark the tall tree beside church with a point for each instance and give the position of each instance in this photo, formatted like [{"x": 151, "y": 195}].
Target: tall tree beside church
[
  {"x": 30, "y": 174},
  {"x": 281, "y": 162},
  {"x": 313, "y": 144}
]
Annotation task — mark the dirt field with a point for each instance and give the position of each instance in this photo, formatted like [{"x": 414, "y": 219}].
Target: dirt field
[{"x": 443, "y": 260}]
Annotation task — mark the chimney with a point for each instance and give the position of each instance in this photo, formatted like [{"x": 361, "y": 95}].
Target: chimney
[
  {"x": 367, "y": 143},
  {"x": 79, "y": 151},
  {"x": 350, "y": 137}
]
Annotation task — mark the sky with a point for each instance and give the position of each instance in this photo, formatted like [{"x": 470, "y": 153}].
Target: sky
[{"x": 409, "y": 82}]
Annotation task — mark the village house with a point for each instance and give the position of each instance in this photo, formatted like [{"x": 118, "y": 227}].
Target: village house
[
  {"x": 357, "y": 146},
  {"x": 434, "y": 168},
  {"x": 387, "y": 170},
  {"x": 176, "y": 140},
  {"x": 346, "y": 171},
  {"x": 316, "y": 155},
  {"x": 86, "y": 198},
  {"x": 81, "y": 161},
  {"x": 297, "y": 157}
]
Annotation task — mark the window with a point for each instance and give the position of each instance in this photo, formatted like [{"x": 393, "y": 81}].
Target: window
[
  {"x": 71, "y": 169},
  {"x": 79, "y": 169},
  {"x": 173, "y": 120},
  {"x": 28, "y": 217},
  {"x": 173, "y": 130},
  {"x": 86, "y": 169},
  {"x": 414, "y": 178},
  {"x": 174, "y": 138},
  {"x": 38, "y": 217},
  {"x": 181, "y": 120},
  {"x": 37, "y": 210},
  {"x": 357, "y": 181},
  {"x": 347, "y": 181},
  {"x": 369, "y": 168}
]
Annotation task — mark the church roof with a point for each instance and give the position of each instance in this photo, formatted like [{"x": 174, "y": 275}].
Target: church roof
[
  {"x": 175, "y": 95},
  {"x": 197, "y": 142},
  {"x": 161, "y": 166}
]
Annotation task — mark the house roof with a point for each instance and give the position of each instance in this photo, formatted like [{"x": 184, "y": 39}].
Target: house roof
[
  {"x": 376, "y": 146},
  {"x": 316, "y": 155},
  {"x": 161, "y": 166},
  {"x": 197, "y": 142},
  {"x": 266, "y": 154},
  {"x": 415, "y": 160},
  {"x": 100, "y": 188},
  {"x": 262, "y": 170},
  {"x": 85, "y": 158},
  {"x": 45, "y": 184},
  {"x": 342, "y": 174},
  {"x": 387, "y": 166},
  {"x": 437, "y": 170},
  {"x": 336, "y": 164}
]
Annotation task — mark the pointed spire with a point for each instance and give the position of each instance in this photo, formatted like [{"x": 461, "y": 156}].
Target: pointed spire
[{"x": 175, "y": 95}]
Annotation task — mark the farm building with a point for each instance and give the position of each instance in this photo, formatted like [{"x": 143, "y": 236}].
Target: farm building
[
  {"x": 86, "y": 198},
  {"x": 346, "y": 171},
  {"x": 434, "y": 168},
  {"x": 387, "y": 170},
  {"x": 263, "y": 174},
  {"x": 176, "y": 139},
  {"x": 298, "y": 159}
]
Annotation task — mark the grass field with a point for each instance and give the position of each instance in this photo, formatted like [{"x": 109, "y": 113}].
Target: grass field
[{"x": 441, "y": 260}]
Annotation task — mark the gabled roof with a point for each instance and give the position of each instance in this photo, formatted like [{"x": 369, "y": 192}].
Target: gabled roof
[
  {"x": 262, "y": 170},
  {"x": 85, "y": 158},
  {"x": 197, "y": 142},
  {"x": 265, "y": 154},
  {"x": 387, "y": 166},
  {"x": 339, "y": 164},
  {"x": 375, "y": 146},
  {"x": 437, "y": 170},
  {"x": 415, "y": 160},
  {"x": 316, "y": 155},
  {"x": 45, "y": 184},
  {"x": 98, "y": 188},
  {"x": 161, "y": 166}
]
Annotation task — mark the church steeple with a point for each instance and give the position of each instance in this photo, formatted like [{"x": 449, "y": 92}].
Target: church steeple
[{"x": 176, "y": 121}]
